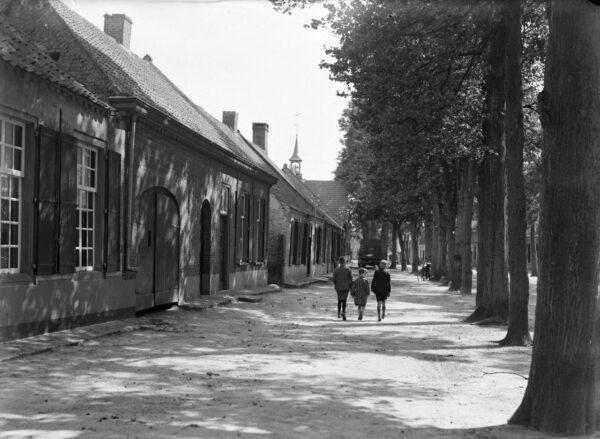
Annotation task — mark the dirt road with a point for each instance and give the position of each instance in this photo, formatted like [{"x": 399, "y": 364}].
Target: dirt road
[{"x": 282, "y": 368}]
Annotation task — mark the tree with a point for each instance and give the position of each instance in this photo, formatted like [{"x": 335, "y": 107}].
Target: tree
[
  {"x": 562, "y": 395},
  {"x": 518, "y": 318}
]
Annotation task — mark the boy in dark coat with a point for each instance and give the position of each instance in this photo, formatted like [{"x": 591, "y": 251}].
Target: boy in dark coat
[
  {"x": 360, "y": 292},
  {"x": 381, "y": 285},
  {"x": 342, "y": 281}
]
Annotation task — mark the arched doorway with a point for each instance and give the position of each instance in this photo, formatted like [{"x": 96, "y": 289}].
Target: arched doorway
[
  {"x": 157, "y": 280},
  {"x": 205, "y": 241}
]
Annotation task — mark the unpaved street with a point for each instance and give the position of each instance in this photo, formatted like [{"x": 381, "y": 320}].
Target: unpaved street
[{"x": 282, "y": 368}]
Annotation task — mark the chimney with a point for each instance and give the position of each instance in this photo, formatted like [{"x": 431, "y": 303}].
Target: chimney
[
  {"x": 118, "y": 26},
  {"x": 260, "y": 135},
  {"x": 230, "y": 118}
]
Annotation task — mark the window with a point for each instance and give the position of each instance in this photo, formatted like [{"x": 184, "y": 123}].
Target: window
[
  {"x": 245, "y": 227},
  {"x": 12, "y": 139},
  {"x": 260, "y": 229},
  {"x": 86, "y": 203},
  {"x": 225, "y": 197}
]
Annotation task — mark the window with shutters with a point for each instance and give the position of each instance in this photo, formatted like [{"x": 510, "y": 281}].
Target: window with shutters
[
  {"x": 12, "y": 140},
  {"x": 245, "y": 227},
  {"x": 86, "y": 203}
]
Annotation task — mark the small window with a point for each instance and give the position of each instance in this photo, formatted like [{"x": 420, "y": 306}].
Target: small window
[{"x": 225, "y": 200}]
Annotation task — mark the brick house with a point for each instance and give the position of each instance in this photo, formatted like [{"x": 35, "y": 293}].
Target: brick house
[
  {"x": 142, "y": 198},
  {"x": 306, "y": 237}
]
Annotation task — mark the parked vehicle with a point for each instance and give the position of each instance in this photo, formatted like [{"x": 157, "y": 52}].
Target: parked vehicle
[{"x": 370, "y": 252}]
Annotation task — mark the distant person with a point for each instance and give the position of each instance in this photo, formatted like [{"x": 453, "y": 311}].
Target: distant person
[
  {"x": 360, "y": 291},
  {"x": 381, "y": 285},
  {"x": 342, "y": 281}
]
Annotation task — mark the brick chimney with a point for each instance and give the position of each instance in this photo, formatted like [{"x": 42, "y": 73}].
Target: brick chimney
[
  {"x": 118, "y": 26},
  {"x": 260, "y": 135},
  {"x": 230, "y": 118}
]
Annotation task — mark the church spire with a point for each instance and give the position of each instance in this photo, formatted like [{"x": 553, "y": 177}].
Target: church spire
[{"x": 295, "y": 160}]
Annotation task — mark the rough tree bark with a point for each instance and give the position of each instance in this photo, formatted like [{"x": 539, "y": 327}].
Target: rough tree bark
[
  {"x": 452, "y": 257},
  {"x": 492, "y": 279},
  {"x": 435, "y": 230},
  {"x": 562, "y": 395},
  {"x": 385, "y": 238},
  {"x": 467, "y": 191},
  {"x": 395, "y": 230},
  {"x": 415, "y": 229},
  {"x": 403, "y": 261},
  {"x": 534, "y": 253},
  {"x": 518, "y": 320},
  {"x": 428, "y": 241}
]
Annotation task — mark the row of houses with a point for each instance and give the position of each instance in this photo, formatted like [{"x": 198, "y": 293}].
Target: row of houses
[{"x": 118, "y": 194}]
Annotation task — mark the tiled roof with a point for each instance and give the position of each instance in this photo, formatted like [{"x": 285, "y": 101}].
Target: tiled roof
[
  {"x": 131, "y": 75},
  {"x": 18, "y": 51},
  {"x": 332, "y": 193}
]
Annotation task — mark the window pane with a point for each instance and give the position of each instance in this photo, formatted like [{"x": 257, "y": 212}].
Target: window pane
[
  {"x": 8, "y": 158},
  {"x": 90, "y": 257},
  {"x": 83, "y": 259},
  {"x": 90, "y": 200},
  {"x": 79, "y": 175},
  {"x": 14, "y": 257},
  {"x": 14, "y": 234},
  {"x": 93, "y": 159},
  {"x": 83, "y": 239},
  {"x": 4, "y": 257},
  {"x": 92, "y": 179},
  {"x": 17, "y": 160},
  {"x": 10, "y": 139},
  {"x": 14, "y": 187},
  {"x": 14, "y": 210},
  {"x": 4, "y": 229},
  {"x": 90, "y": 220},
  {"x": 90, "y": 235},
  {"x": 83, "y": 219},
  {"x": 82, "y": 199},
  {"x": 4, "y": 210},
  {"x": 18, "y": 136}
]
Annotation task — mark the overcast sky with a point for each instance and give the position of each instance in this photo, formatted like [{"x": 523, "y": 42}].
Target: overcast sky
[{"x": 241, "y": 55}]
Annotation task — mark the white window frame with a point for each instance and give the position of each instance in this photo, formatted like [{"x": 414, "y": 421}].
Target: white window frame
[
  {"x": 84, "y": 189},
  {"x": 16, "y": 176}
]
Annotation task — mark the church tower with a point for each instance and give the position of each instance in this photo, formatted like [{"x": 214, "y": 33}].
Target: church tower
[{"x": 296, "y": 161}]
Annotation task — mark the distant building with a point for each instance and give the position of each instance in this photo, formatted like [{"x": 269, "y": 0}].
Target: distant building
[
  {"x": 141, "y": 198},
  {"x": 306, "y": 237}
]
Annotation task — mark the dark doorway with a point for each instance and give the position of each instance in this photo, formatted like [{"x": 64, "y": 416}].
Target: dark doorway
[
  {"x": 205, "y": 236},
  {"x": 157, "y": 280},
  {"x": 224, "y": 253},
  {"x": 308, "y": 249}
]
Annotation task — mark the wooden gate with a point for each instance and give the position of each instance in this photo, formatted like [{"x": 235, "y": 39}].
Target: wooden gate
[{"x": 157, "y": 281}]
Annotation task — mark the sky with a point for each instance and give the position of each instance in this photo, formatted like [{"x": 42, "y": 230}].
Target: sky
[{"x": 243, "y": 56}]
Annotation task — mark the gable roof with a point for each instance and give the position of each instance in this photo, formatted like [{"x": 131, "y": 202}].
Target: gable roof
[
  {"x": 332, "y": 193},
  {"x": 22, "y": 53},
  {"x": 129, "y": 75}
]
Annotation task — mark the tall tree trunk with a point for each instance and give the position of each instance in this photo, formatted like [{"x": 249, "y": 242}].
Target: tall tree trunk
[
  {"x": 518, "y": 304},
  {"x": 468, "y": 189},
  {"x": 534, "y": 254},
  {"x": 385, "y": 238},
  {"x": 435, "y": 242},
  {"x": 403, "y": 261},
  {"x": 453, "y": 255},
  {"x": 562, "y": 395},
  {"x": 428, "y": 241},
  {"x": 395, "y": 230},
  {"x": 492, "y": 279},
  {"x": 415, "y": 228}
]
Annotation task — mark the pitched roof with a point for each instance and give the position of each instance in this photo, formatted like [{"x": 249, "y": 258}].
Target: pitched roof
[
  {"x": 332, "y": 193},
  {"x": 130, "y": 75},
  {"x": 22, "y": 53}
]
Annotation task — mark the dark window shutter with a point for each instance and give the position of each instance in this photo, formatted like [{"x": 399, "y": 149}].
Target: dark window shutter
[
  {"x": 68, "y": 238},
  {"x": 46, "y": 229},
  {"x": 112, "y": 211}
]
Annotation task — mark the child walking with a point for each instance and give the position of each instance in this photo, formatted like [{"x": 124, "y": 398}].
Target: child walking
[
  {"x": 381, "y": 286},
  {"x": 342, "y": 281},
  {"x": 360, "y": 292}
]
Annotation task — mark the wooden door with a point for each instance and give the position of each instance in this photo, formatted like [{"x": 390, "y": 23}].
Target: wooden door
[{"x": 206, "y": 238}]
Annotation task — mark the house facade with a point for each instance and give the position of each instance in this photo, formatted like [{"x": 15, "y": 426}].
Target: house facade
[
  {"x": 306, "y": 237},
  {"x": 140, "y": 197}
]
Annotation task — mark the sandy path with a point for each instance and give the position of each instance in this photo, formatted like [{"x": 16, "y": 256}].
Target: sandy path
[{"x": 282, "y": 368}]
